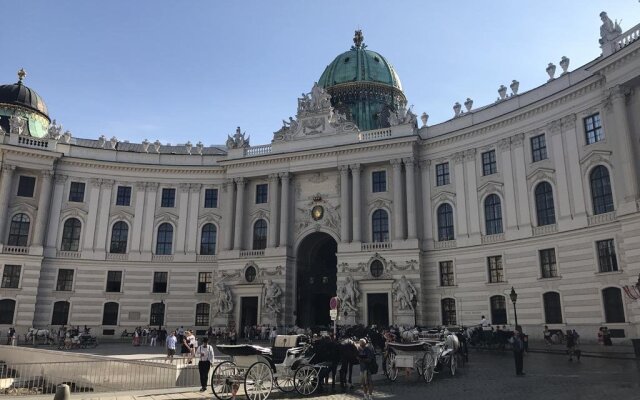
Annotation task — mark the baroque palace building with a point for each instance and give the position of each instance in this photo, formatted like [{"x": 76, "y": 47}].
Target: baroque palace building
[{"x": 355, "y": 196}]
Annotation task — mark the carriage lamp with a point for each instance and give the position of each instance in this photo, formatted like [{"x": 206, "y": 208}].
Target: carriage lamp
[{"x": 514, "y": 297}]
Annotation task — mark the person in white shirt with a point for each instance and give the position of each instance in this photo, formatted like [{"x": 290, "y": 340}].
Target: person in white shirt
[
  {"x": 171, "y": 346},
  {"x": 484, "y": 323},
  {"x": 190, "y": 343},
  {"x": 204, "y": 352}
]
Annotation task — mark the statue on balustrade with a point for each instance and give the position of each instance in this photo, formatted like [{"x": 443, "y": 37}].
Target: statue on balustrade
[{"x": 609, "y": 30}]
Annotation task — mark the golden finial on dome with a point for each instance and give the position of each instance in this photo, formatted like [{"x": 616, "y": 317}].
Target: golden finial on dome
[{"x": 21, "y": 74}]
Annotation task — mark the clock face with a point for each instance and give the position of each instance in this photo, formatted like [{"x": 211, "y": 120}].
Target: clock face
[{"x": 317, "y": 213}]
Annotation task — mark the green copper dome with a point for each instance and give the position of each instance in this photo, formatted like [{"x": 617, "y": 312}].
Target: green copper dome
[{"x": 363, "y": 86}]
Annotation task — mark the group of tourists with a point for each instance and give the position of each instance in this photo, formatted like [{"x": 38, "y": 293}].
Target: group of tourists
[
  {"x": 604, "y": 336},
  {"x": 190, "y": 347},
  {"x": 148, "y": 336}
]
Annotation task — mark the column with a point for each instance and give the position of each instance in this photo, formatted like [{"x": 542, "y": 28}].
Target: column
[
  {"x": 237, "y": 239},
  {"x": 227, "y": 190},
  {"x": 5, "y": 191},
  {"x": 409, "y": 165},
  {"x": 524, "y": 209},
  {"x": 562, "y": 189},
  {"x": 511, "y": 223},
  {"x": 103, "y": 214},
  {"x": 54, "y": 213},
  {"x": 356, "y": 206},
  {"x": 284, "y": 209},
  {"x": 461, "y": 202},
  {"x": 274, "y": 195},
  {"x": 344, "y": 203},
  {"x": 183, "y": 207},
  {"x": 138, "y": 217},
  {"x": 398, "y": 220},
  {"x": 427, "y": 212},
  {"x": 472, "y": 192},
  {"x": 570, "y": 136},
  {"x": 625, "y": 143},
  {"x": 92, "y": 217},
  {"x": 149, "y": 217},
  {"x": 195, "y": 194},
  {"x": 43, "y": 208}
]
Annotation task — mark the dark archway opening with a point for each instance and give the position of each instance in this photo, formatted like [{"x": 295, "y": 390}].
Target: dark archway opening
[{"x": 316, "y": 279}]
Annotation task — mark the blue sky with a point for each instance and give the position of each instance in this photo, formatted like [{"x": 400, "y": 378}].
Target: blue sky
[{"x": 194, "y": 70}]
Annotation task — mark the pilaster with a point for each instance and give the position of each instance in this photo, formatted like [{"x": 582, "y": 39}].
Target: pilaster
[
  {"x": 239, "y": 220},
  {"x": 183, "y": 209},
  {"x": 356, "y": 207},
  {"x": 274, "y": 203},
  {"x": 461, "y": 202},
  {"x": 472, "y": 196},
  {"x": 94, "y": 202},
  {"x": 398, "y": 220},
  {"x": 344, "y": 203},
  {"x": 410, "y": 184},
  {"x": 5, "y": 191},
  {"x": 227, "y": 219},
  {"x": 427, "y": 225},
  {"x": 138, "y": 217},
  {"x": 106, "y": 189},
  {"x": 149, "y": 217},
  {"x": 284, "y": 210},
  {"x": 44, "y": 202},
  {"x": 54, "y": 215}
]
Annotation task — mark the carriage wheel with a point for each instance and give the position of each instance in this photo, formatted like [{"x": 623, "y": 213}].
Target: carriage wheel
[
  {"x": 453, "y": 363},
  {"x": 258, "y": 381},
  {"x": 429, "y": 365},
  {"x": 306, "y": 380},
  {"x": 286, "y": 382},
  {"x": 390, "y": 369},
  {"x": 223, "y": 379}
]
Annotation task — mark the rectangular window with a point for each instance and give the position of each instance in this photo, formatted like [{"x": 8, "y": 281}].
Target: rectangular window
[
  {"x": 607, "y": 261},
  {"x": 593, "y": 128},
  {"x": 65, "y": 280},
  {"x": 538, "y": 148},
  {"x": 496, "y": 273},
  {"x": 11, "y": 276},
  {"x": 123, "y": 197},
  {"x": 114, "y": 281},
  {"x": 76, "y": 192},
  {"x": 160, "y": 282},
  {"x": 378, "y": 181},
  {"x": 210, "y": 198},
  {"x": 168, "y": 198},
  {"x": 442, "y": 174},
  {"x": 446, "y": 273},
  {"x": 204, "y": 282},
  {"x": 489, "y": 165},
  {"x": 26, "y": 186},
  {"x": 548, "y": 263},
  {"x": 262, "y": 193}
]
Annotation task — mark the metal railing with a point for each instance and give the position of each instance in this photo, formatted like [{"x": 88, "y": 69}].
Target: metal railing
[{"x": 99, "y": 376}]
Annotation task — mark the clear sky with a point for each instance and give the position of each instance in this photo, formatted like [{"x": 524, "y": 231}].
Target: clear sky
[{"x": 194, "y": 70}]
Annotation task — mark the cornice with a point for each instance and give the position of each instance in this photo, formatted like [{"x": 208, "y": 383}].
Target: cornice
[{"x": 122, "y": 166}]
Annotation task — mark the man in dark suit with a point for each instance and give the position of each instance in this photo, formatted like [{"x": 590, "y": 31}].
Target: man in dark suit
[{"x": 518, "y": 350}]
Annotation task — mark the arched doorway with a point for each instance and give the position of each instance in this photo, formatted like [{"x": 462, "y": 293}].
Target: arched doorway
[{"x": 316, "y": 279}]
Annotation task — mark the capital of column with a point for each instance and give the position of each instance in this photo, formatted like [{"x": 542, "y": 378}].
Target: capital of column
[
  {"x": 619, "y": 92},
  {"x": 396, "y": 163},
  {"x": 554, "y": 127},
  {"x": 424, "y": 164},
  {"x": 60, "y": 179},
  {"x": 107, "y": 183},
  {"x": 140, "y": 186},
  {"x": 568, "y": 122},
  {"x": 470, "y": 154},
  {"x": 517, "y": 140},
  {"x": 7, "y": 168},
  {"x": 409, "y": 161},
  {"x": 458, "y": 157},
  {"x": 95, "y": 182},
  {"x": 152, "y": 186},
  {"x": 355, "y": 167},
  {"x": 344, "y": 169},
  {"x": 227, "y": 184},
  {"x": 273, "y": 178},
  {"x": 47, "y": 174},
  {"x": 195, "y": 187},
  {"x": 184, "y": 187},
  {"x": 284, "y": 176},
  {"x": 504, "y": 144},
  {"x": 240, "y": 181}
]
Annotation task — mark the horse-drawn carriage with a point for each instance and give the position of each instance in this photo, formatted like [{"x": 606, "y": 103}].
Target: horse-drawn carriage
[{"x": 286, "y": 366}]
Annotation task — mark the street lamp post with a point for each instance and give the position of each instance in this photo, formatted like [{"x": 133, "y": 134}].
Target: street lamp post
[
  {"x": 414, "y": 303},
  {"x": 514, "y": 297}
]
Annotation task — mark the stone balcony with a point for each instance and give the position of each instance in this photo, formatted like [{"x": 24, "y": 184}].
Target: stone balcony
[
  {"x": 15, "y": 250},
  {"x": 488, "y": 239},
  {"x": 68, "y": 254},
  {"x": 376, "y": 246},
  {"x": 251, "y": 253},
  {"x": 444, "y": 244},
  {"x": 545, "y": 229},
  {"x": 601, "y": 218}
]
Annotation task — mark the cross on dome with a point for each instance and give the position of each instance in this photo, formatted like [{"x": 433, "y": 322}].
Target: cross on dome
[
  {"x": 358, "y": 38},
  {"x": 21, "y": 74}
]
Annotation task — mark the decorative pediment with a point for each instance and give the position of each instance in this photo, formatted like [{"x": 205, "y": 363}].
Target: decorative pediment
[
  {"x": 489, "y": 187},
  {"x": 593, "y": 158},
  {"x": 209, "y": 218},
  {"x": 542, "y": 174},
  {"x": 23, "y": 207},
  {"x": 121, "y": 216},
  {"x": 379, "y": 203},
  {"x": 443, "y": 196},
  {"x": 259, "y": 213},
  {"x": 330, "y": 215},
  {"x": 73, "y": 212},
  {"x": 166, "y": 217}
]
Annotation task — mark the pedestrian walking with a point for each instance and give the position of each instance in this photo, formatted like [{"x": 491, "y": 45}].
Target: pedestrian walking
[
  {"x": 518, "y": 350},
  {"x": 154, "y": 336},
  {"x": 171, "y": 346},
  {"x": 366, "y": 357},
  {"x": 205, "y": 357}
]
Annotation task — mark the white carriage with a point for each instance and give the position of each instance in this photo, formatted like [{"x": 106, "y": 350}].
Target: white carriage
[
  {"x": 256, "y": 370},
  {"x": 424, "y": 356}
]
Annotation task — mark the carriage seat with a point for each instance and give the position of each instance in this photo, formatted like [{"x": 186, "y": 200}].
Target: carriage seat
[
  {"x": 415, "y": 346},
  {"x": 244, "y": 350}
]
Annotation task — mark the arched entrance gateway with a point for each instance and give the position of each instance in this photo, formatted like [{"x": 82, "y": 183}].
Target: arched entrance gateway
[{"x": 316, "y": 279}]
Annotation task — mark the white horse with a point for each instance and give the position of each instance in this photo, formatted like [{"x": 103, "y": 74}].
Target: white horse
[
  {"x": 38, "y": 334},
  {"x": 410, "y": 335}
]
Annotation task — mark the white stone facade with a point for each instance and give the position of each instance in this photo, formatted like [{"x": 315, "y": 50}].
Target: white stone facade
[{"x": 334, "y": 169}]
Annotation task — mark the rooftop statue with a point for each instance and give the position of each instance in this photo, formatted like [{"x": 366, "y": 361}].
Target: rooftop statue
[
  {"x": 238, "y": 140},
  {"x": 609, "y": 30}
]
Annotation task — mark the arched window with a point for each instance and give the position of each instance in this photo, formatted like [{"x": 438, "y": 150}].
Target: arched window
[
  {"x": 552, "y": 308},
  {"x": 202, "y": 314},
  {"x": 380, "y": 226},
  {"x": 110, "y": 313},
  {"x": 19, "y": 230},
  {"x": 445, "y": 222},
  {"x": 60, "y": 314},
  {"x": 119, "y": 237},
  {"x": 448, "y": 312},
  {"x": 164, "y": 244},
  {"x": 545, "y": 209},
  {"x": 613, "y": 307},
  {"x": 157, "y": 314},
  {"x": 601, "y": 190},
  {"x": 208, "y": 239},
  {"x": 7, "y": 309},
  {"x": 71, "y": 235},
  {"x": 260, "y": 235},
  {"x": 498, "y": 310},
  {"x": 493, "y": 214}
]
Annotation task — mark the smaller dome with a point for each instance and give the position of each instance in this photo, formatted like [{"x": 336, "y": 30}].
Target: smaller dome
[{"x": 19, "y": 95}]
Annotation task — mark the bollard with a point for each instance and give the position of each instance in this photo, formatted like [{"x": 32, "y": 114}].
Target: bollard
[{"x": 62, "y": 393}]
